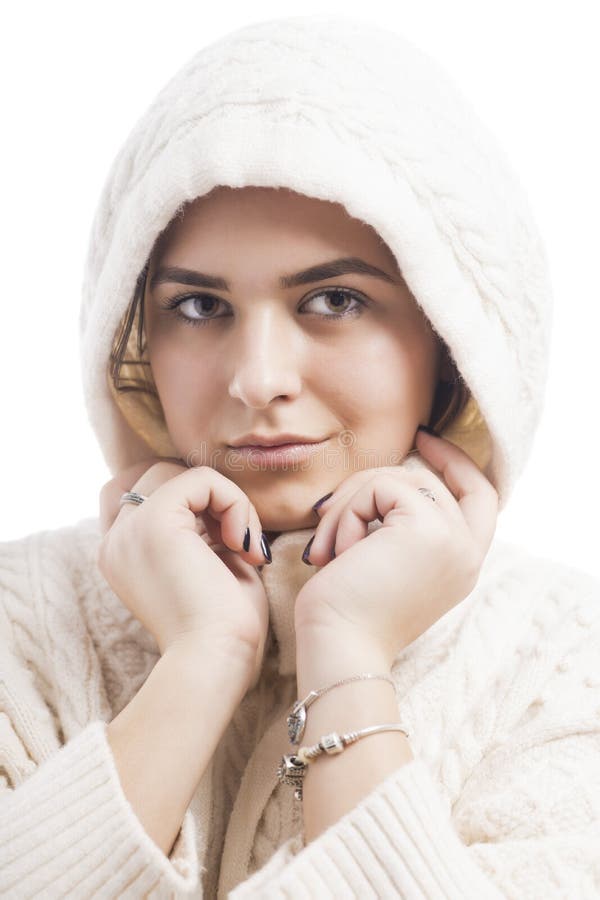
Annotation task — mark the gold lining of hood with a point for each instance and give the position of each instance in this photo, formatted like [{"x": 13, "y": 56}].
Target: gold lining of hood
[
  {"x": 469, "y": 431},
  {"x": 140, "y": 404}
]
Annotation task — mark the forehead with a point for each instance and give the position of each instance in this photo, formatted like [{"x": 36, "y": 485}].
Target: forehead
[{"x": 252, "y": 213}]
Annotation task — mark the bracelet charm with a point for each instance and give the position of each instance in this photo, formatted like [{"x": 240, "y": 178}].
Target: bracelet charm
[
  {"x": 296, "y": 720},
  {"x": 291, "y": 771},
  {"x": 292, "y": 768},
  {"x": 331, "y": 743}
]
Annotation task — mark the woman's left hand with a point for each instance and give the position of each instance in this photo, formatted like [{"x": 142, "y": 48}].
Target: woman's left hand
[{"x": 387, "y": 587}]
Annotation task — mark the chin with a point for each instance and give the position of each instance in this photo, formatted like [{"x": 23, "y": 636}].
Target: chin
[
  {"x": 287, "y": 523},
  {"x": 279, "y": 515},
  {"x": 281, "y": 505}
]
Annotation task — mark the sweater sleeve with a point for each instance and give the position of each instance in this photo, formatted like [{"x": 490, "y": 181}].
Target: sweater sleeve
[
  {"x": 525, "y": 825},
  {"x": 398, "y": 842},
  {"x": 66, "y": 825},
  {"x": 69, "y": 829}
]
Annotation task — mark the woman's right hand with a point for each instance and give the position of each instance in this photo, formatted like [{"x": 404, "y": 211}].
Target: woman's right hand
[{"x": 157, "y": 559}]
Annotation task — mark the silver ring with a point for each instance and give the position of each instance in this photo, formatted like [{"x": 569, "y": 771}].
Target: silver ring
[
  {"x": 132, "y": 497},
  {"x": 427, "y": 493}
]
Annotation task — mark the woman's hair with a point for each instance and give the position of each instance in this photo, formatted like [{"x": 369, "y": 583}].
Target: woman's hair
[
  {"x": 129, "y": 328},
  {"x": 130, "y": 371}
]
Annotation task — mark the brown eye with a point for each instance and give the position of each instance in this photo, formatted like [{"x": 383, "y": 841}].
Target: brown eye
[
  {"x": 334, "y": 303},
  {"x": 201, "y": 304},
  {"x": 337, "y": 301},
  {"x": 194, "y": 309}
]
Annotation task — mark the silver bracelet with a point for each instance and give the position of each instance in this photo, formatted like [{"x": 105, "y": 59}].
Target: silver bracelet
[
  {"x": 296, "y": 720},
  {"x": 292, "y": 768}
]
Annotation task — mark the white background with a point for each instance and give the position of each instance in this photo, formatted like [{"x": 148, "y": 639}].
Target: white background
[{"x": 76, "y": 77}]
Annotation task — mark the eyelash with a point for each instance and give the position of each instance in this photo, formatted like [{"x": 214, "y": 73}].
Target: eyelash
[{"x": 174, "y": 302}]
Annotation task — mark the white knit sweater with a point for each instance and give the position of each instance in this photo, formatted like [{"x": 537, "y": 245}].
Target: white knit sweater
[{"x": 501, "y": 697}]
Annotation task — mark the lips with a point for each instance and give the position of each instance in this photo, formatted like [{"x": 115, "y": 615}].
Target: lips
[
  {"x": 274, "y": 441},
  {"x": 279, "y": 455}
]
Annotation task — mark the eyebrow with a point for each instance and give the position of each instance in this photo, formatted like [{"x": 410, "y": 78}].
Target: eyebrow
[{"x": 319, "y": 272}]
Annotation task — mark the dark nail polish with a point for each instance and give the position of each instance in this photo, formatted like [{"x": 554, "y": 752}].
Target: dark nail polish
[
  {"x": 246, "y": 544},
  {"x": 307, "y": 551},
  {"x": 264, "y": 546},
  {"x": 322, "y": 500},
  {"x": 427, "y": 429}
]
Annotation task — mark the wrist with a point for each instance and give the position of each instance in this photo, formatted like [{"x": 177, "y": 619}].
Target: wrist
[
  {"x": 325, "y": 655},
  {"x": 218, "y": 658}
]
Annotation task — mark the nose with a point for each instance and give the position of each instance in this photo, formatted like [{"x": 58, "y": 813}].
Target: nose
[{"x": 265, "y": 358}]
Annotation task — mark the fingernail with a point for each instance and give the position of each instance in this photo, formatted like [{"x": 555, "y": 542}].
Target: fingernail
[
  {"x": 322, "y": 500},
  {"x": 427, "y": 429},
  {"x": 246, "y": 544},
  {"x": 307, "y": 551},
  {"x": 264, "y": 546}
]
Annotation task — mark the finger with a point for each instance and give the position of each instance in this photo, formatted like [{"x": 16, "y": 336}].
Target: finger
[
  {"x": 151, "y": 476},
  {"x": 346, "y": 488},
  {"x": 474, "y": 493},
  {"x": 255, "y": 532},
  {"x": 202, "y": 489},
  {"x": 420, "y": 478},
  {"x": 384, "y": 496},
  {"x": 444, "y": 498},
  {"x": 109, "y": 504},
  {"x": 210, "y": 529},
  {"x": 129, "y": 476},
  {"x": 349, "y": 485},
  {"x": 111, "y": 492}
]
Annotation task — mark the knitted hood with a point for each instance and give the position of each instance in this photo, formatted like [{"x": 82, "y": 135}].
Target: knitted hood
[{"x": 344, "y": 111}]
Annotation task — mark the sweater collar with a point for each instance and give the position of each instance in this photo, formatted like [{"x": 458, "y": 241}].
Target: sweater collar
[{"x": 282, "y": 580}]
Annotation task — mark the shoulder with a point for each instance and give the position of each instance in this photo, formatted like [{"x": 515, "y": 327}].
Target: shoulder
[
  {"x": 69, "y": 544},
  {"x": 39, "y": 618},
  {"x": 535, "y": 631},
  {"x": 521, "y": 601},
  {"x": 35, "y": 563},
  {"x": 528, "y": 621},
  {"x": 522, "y": 584},
  {"x": 515, "y": 663},
  {"x": 43, "y": 577}
]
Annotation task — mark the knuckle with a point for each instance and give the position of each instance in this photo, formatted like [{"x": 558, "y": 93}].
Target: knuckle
[
  {"x": 164, "y": 468},
  {"x": 155, "y": 476},
  {"x": 362, "y": 476},
  {"x": 205, "y": 471}
]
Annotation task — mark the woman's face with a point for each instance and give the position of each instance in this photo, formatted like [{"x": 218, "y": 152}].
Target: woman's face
[{"x": 347, "y": 358}]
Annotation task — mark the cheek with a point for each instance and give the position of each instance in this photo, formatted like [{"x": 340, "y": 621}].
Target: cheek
[
  {"x": 185, "y": 385},
  {"x": 397, "y": 368},
  {"x": 378, "y": 371},
  {"x": 391, "y": 392}
]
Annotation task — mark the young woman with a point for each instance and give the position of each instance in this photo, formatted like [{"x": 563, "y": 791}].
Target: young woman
[{"x": 290, "y": 658}]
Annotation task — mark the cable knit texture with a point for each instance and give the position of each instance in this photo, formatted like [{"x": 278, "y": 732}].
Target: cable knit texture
[{"x": 501, "y": 696}]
